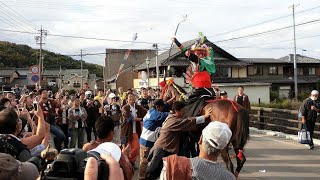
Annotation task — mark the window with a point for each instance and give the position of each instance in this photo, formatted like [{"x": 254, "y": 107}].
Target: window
[
  {"x": 257, "y": 70},
  {"x": 300, "y": 71},
  {"x": 273, "y": 70},
  {"x": 223, "y": 72},
  {"x": 76, "y": 83},
  {"x": 312, "y": 71}
]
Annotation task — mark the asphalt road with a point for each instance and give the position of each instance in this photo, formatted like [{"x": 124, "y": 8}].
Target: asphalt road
[
  {"x": 278, "y": 158},
  {"x": 274, "y": 158}
]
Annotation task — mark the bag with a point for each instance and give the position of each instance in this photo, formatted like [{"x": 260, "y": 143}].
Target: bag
[{"x": 304, "y": 135}]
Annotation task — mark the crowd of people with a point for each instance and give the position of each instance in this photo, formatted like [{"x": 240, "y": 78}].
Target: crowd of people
[{"x": 41, "y": 123}]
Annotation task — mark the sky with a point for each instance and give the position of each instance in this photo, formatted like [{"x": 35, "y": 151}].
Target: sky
[{"x": 230, "y": 24}]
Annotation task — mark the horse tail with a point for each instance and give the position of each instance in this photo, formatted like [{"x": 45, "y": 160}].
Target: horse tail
[{"x": 242, "y": 127}]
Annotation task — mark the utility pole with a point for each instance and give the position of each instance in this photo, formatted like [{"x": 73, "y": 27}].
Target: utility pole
[
  {"x": 157, "y": 63},
  {"x": 81, "y": 55},
  {"x": 39, "y": 40},
  {"x": 295, "y": 69}
]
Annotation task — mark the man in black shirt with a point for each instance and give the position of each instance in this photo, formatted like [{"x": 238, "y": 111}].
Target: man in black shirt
[
  {"x": 145, "y": 100},
  {"x": 309, "y": 110}
]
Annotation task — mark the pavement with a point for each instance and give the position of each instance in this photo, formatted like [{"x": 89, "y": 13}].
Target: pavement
[
  {"x": 276, "y": 157},
  {"x": 273, "y": 157}
]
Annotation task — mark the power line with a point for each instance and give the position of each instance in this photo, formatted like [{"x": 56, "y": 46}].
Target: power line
[
  {"x": 264, "y": 22},
  {"x": 266, "y": 32}
]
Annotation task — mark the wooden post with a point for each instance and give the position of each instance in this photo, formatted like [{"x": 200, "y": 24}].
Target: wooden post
[{"x": 260, "y": 119}]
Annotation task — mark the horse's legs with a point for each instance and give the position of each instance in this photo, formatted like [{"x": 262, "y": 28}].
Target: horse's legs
[
  {"x": 241, "y": 159},
  {"x": 226, "y": 158}
]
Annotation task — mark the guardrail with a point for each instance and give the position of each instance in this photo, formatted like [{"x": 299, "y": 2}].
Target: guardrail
[{"x": 262, "y": 123}]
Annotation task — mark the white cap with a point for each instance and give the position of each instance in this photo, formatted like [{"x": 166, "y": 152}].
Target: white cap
[
  {"x": 109, "y": 148},
  {"x": 314, "y": 92},
  {"x": 111, "y": 95},
  {"x": 88, "y": 92},
  {"x": 217, "y": 134}
]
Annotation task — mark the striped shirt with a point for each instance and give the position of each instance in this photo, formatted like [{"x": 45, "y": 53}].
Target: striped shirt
[{"x": 204, "y": 169}]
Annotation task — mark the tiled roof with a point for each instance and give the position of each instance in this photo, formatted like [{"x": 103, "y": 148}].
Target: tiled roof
[
  {"x": 53, "y": 72},
  {"x": 175, "y": 58},
  {"x": 7, "y": 72},
  {"x": 262, "y": 60},
  {"x": 300, "y": 59}
]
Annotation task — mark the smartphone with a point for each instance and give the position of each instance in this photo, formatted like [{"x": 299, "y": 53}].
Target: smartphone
[{"x": 35, "y": 105}]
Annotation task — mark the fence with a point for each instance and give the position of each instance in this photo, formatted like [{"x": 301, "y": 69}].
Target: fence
[{"x": 262, "y": 120}]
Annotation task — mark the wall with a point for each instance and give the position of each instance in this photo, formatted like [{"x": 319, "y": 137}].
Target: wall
[
  {"x": 254, "y": 91},
  {"x": 138, "y": 83}
]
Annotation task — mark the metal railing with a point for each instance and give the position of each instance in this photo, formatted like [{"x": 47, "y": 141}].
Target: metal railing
[{"x": 260, "y": 119}]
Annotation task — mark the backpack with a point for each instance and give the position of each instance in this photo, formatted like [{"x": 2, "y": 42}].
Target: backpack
[{"x": 10, "y": 145}]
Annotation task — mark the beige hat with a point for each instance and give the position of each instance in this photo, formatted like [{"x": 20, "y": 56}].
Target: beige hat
[
  {"x": 217, "y": 134},
  {"x": 11, "y": 168}
]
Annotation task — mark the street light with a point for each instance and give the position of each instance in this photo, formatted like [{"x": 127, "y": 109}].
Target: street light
[{"x": 148, "y": 62}]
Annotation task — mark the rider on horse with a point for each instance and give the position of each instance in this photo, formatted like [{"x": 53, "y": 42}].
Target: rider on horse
[
  {"x": 201, "y": 57},
  {"x": 199, "y": 72}
]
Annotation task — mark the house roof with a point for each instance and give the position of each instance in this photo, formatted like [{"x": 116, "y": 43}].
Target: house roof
[
  {"x": 261, "y": 60},
  {"x": 300, "y": 59},
  {"x": 8, "y": 72},
  {"x": 53, "y": 72},
  {"x": 176, "y": 58}
]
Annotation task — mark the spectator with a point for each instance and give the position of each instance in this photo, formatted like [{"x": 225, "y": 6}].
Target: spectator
[
  {"x": 86, "y": 87},
  {"x": 168, "y": 141},
  {"x": 10, "y": 168},
  {"x": 242, "y": 98},
  {"x": 152, "y": 123},
  {"x": 100, "y": 97},
  {"x": 17, "y": 91},
  {"x": 213, "y": 140},
  {"x": 92, "y": 107},
  {"x": 63, "y": 121},
  {"x": 145, "y": 99},
  {"x": 132, "y": 115},
  {"x": 25, "y": 90},
  {"x": 104, "y": 127},
  {"x": 11, "y": 126},
  {"x": 4, "y": 103},
  {"x": 50, "y": 110},
  {"x": 77, "y": 123},
  {"x": 309, "y": 110},
  {"x": 217, "y": 91},
  {"x": 114, "y": 111},
  {"x": 223, "y": 95}
]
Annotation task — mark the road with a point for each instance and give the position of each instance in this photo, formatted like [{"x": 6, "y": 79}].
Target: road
[
  {"x": 278, "y": 158},
  {"x": 274, "y": 158}
]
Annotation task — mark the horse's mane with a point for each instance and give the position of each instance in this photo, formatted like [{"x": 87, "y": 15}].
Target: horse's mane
[{"x": 179, "y": 88}]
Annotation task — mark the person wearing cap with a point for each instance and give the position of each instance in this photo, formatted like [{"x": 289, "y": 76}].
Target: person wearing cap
[
  {"x": 132, "y": 115},
  {"x": 168, "y": 142},
  {"x": 145, "y": 99},
  {"x": 215, "y": 137},
  {"x": 242, "y": 99},
  {"x": 309, "y": 110},
  {"x": 104, "y": 128},
  {"x": 152, "y": 123},
  {"x": 11, "y": 168},
  {"x": 223, "y": 95}
]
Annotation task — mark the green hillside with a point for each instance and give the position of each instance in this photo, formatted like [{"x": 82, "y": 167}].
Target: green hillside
[{"x": 23, "y": 56}]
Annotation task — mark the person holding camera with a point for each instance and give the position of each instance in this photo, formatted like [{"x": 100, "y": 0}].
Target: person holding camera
[
  {"x": 63, "y": 120},
  {"x": 77, "y": 123},
  {"x": 92, "y": 107},
  {"x": 50, "y": 111},
  {"x": 105, "y": 131}
]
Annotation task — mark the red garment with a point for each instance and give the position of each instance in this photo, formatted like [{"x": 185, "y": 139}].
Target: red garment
[
  {"x": 135, "y": 147},
  {"x": 178, "y": 167},
  {"x": 201, "y": 80}
]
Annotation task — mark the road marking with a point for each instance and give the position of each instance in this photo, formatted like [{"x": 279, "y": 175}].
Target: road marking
[{"x": 291, "y": 143}]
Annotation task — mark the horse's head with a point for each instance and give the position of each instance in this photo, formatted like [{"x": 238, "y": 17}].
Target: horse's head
[{"x": 174, "y": 91}]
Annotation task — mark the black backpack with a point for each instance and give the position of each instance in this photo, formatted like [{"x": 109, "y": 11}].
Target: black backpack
[{"x": 10, "y": 145}]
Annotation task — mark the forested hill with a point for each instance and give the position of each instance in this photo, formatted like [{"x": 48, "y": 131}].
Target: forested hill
[{"x": 23, "y": 56}]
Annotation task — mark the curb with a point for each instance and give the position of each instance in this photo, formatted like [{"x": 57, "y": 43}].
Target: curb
[{"x": 281, "y": 135}]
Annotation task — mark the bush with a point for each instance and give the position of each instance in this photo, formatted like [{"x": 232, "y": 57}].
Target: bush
[
  {"x": 283, "y": 104},
  {"x": 274, "y": 95}
]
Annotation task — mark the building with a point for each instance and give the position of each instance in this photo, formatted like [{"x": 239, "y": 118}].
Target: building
[
  {"x": 260, "y": 76},
  {"x": 114, "y": 57}
]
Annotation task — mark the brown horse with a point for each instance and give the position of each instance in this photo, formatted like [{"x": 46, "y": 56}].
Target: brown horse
[{"x": 228, "y": 112}]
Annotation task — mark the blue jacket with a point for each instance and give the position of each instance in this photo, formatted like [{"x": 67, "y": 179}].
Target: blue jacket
[{"x": 152, "y": 122}]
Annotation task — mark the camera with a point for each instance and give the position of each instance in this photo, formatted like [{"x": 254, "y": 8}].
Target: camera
[{"x": 71, "y": 163}]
